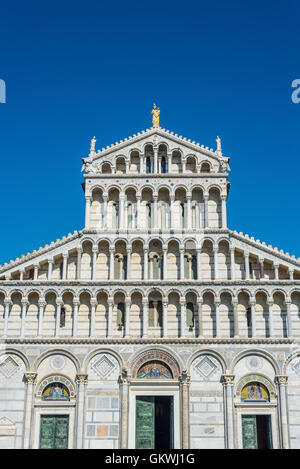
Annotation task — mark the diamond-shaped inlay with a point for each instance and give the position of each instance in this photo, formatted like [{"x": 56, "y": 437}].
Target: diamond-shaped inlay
[
  {"x": 8, "y": 367},
  {"x": 206, "y": 367},
  {"x": 296, "y": 368},
  {"x": 103, "y": 367}
]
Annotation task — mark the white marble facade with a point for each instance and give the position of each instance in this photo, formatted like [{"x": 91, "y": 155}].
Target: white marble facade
[{"x": 154, "y": 271}]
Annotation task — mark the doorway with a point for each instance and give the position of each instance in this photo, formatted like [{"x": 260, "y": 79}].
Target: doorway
[
  {"x": 256, "y": 431},
  {"x": 54, "y": 432},
  {"x": 154, "y": 422}
]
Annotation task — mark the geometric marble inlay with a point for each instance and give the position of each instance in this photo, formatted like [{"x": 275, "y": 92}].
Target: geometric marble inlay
[
  {"x": 206, "y": 367},
  {"x": 296, "y": 368},
  {"x": 103, "y": 367},
  {"x": 8, "y": 367}
]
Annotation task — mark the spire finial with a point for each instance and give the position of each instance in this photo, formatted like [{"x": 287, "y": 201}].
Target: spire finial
[
  {"x": 92, "y": 147},
  {"x": 155, "y": 116},
  {"x": 219, "y": 147}
]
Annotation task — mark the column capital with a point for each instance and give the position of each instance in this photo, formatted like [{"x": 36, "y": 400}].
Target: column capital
[
  {"x": 76, "y": 301},
  {"x": 227, "y": 379},
  {"x": 30, "y": 378},
  {"x": 81, "y": 379},
  {"x": 145, "y": 301},
  {"x": 65, "y": 255},
  {"x": 51, "y": 261},
  {"x": 206, "y": 196},
  {"x": 246, "y": 254},
  {"x": 223, "y": 196},
  {"x": 111, "y": 249},
  {"x": 42, "y": 303},
  {"x": 128, "y": 249},
  {"x": 25, "y": 301},
  {"x": 128, "y": 301},
  {"x": 7, "y": 302},
  {"x": 252, "y": 302},
  {"x": 281, "y": 379},
  {"x": 95, "y": 249},
  {"x": 217, "y": 302},
  {"x": 184, "y": 378},
  {"x": 270, "y": 302},
  {"x": 182, "y": 301},
  {"x": 79, "y": 249},
  {"x": 235, "y": 302},
  {"x": 232, "y": 248},
  {"x": 123, "y": 377}
]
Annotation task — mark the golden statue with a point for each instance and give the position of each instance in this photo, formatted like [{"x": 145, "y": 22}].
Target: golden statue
[{"x": 155, "y": 116}]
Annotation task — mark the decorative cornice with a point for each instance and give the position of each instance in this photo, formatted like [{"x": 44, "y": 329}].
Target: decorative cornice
[{"x": 139, "y": 341}]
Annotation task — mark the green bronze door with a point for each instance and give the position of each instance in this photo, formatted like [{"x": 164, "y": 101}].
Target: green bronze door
[
  {"x": 54, "y": 432},
  {"x": 249, "y": 431},
  {"x": 145, "y": 422}
]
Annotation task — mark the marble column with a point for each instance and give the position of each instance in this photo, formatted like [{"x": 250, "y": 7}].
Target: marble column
[
  {"x": 261, "y": 268},
  {"x": 128, "y": 273},
  {"x": 22, "y": 271},
  {"x": 182, "y": 317},
  {"x": 281, "y": 381},
  {"x": 198, "y": 264},
  {"x": 165, "y": 264},
  {"x": 93, "y": 313},
  {"x": 111, "y": 263},
  {"x": 29, "y": 379},
  {"x": 42, "y": 304},
  {"x": 58, "y": 313},
  {"x": 127, "y": 318},
  {"x": 94, "y": 264},
  {"x": 224, "y": 213},
  {"x": 172, "y": 200},
  {"x": 138, "y": 212},
  {"x": 124, "y": 384},
  {"x": 122, "y": 212},
  {"x": 189, "y": 212},
  {"x": 216, "y": 264},
  {"x": 200, "y": 317},
  {"x": 206, "y": 224},
  {"x": 110, "y": 317},
  {"x": 228, "y": 384},
  {"x": 145, "y": 317},
  {"x": 184, "y": 381},
  {"x": 253, "y": 318},
  {"x": 145, "y": 263},
  {"x": 169, "y": 162},
  {"x": 276, "y": 268},
  {"x": 181, "y": 251},
  {"x": 155, "y": 226},
  {"x": 271, "y": 328},
  {"x": 289, "y": 319},
  {"x": 81, "y": 381},
  {"x": 217, "y": 306},
  {"x": 78, "y": 272},
  {"x": 65, "y": 266},
  {"x": 235, "y": 318},
  {"x": 232, "y": 263},
  {"x": 105, "y": 217},
  {"x": 291, "y": 274},
  {"x": 76, "y": 303},
  {"x": 50, "y": 266},
  {"x": 23, "y": 317},
  {"x": 247, "y": 265},
  {"x": 87, "y": 210},
  {"x": 36, "y": 271},
  {"x": 155, "y": 160},
  {"x": 7, "y": 303},
  {"x": 165, "y": 318}
]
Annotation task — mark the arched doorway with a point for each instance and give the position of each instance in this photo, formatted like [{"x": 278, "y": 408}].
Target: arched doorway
[{"x": 154, "y": 402}]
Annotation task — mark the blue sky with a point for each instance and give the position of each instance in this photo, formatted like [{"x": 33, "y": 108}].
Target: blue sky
[{"x": 78, "y": 69}]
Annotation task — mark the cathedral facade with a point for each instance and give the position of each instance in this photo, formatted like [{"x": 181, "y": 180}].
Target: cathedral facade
[{"x": 155, "y": 326}]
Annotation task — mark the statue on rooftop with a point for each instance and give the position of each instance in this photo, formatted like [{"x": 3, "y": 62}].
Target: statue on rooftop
[{"x": 155, "y": 116}]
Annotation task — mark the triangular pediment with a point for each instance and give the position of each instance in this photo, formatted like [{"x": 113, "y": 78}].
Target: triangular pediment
[{"x": 156, "y": 136}]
